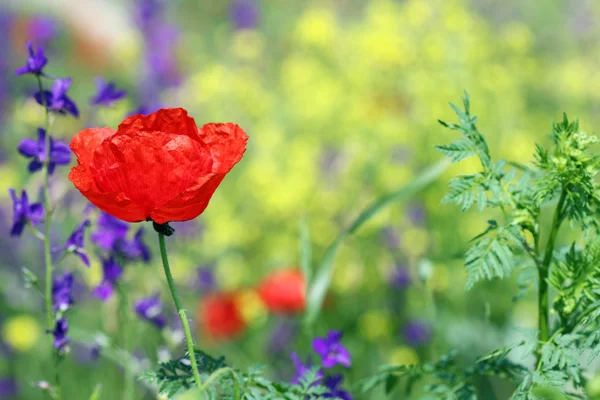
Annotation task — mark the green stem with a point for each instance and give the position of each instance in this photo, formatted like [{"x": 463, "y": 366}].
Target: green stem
[
  {"x": 47, "y": 216},
  {"x": 180, "y": 310},
  {"x": 543, "y": 273},
  {"x": 129, "y": 389},
  {"x": 47, "y": 223}
]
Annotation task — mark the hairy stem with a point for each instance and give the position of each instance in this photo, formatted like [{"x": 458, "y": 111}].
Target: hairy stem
[
  {"x": 184, "y": 321},
  {"x": 543, "y": 272}
]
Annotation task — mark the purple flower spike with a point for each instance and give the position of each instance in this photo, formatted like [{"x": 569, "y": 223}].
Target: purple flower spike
[
  {"x": 35, "y": 62},
  {"x": 244, "y": 14},
  {"x": 61, "y": 292},
  {"x": 107, "y": 93},
  {"x": 42, "y": 29},
  {"x": 109, "y": 230},
  {"x": 333, "y": 383},
  {"x": 112, "y": 272},
  {"x": 75, "y": 243},
  {"x": 57, "y": 100},
  {"x": 302, "y": 368},
  {"x": 417, "y": 333},
  {"x": 134, "y": 249},
  {"x": 400, "y": 278},
  {"x": 205, "y": 279},
  {"x": 8, "y": 387},
  {"x": 330, "y": 349},
  {"x": 60, "y": 154},
  {"x": 60, "y": 334},
  {"x": 151, "y": 309},
  {"x": 23, "y": 212}
]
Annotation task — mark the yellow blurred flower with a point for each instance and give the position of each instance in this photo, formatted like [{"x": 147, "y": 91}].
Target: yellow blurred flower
[
  {"x": 317, "y": 26},
  {"x": 251, "y": 307},
  {"x": 21, "y": 332},
  {"x": 403, "y": 355},
  {"x": 247, "y": 44},
  {"x": 415, "y": 241},
  {"x": 374, "y": 325}
]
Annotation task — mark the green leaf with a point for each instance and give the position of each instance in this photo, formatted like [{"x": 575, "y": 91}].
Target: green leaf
[
  {"x": 320, "y": 283},
  {"x": 458, "y": 150},
  {"x": 96, "y": 394}
]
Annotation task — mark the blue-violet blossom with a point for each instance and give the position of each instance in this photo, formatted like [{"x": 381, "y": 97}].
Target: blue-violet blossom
[
  {"x": 35, "y": 62},
  {"x": 330, "y": 349},
  {"x": 23, "y": 212},
  {"x": 60, "y": 154},
  {"x": 57, "y": 99}
]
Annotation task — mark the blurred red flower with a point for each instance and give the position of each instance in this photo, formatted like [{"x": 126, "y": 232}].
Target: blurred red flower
[
  {"x": 158, "y": 167},
  {"x": 283, "y": 291},
  {"x": 219, "y": 316}
]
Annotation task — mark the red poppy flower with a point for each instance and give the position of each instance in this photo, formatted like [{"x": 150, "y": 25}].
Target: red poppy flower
[
  {"x": 220, "y": 317},
  {"x": 159, "y": 167},
  {"x": 283, "y": 291}
]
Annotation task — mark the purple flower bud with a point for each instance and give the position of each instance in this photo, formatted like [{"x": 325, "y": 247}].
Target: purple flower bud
[
  {"x": 302, "y": 368},
  {"x": 134, "y": 249},
  {"x": 417, "y": 333},
  {"x": 61, "y": 292},
  {"x": 400, "y": 278},
  {"x": 390, "y": 237},
  {"x": 60, "y": 335},
  {"x": 23, "y": 212},
  {"x": 334, "y": 383},
  {"x": 112, "y": 271},
  {"x": 205, "y": 280},
  {"x": 244, "y": 14},
  {"x": 8, "y": 387},
  {"x": 151, "y": 309},
  {"x": 35, "y": 62},
  {"x": 106, "y": 94},
  {"x": 109, "y": 230},
  {"x": 75, "y": 242},
  {"x": 42, "y": 29},
  {"x": 331, "y": 350},
  {"x": 60, "y": 154},
  {"x": 57, "y": 100},
  {"x": 282, "y": 335}
]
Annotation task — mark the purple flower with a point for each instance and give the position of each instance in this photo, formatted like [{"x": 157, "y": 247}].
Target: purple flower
[
  {"x": 282, "y": 335},
  {"x": 107, "y": 93},
  {"x": 112, "y": 271},
  {"x": 244, "y": 14},
  {"x": 61, "y": 292},
  {"x": 417, "y": 333},
  {"x": 151, "y": 310},
  {"x": 8, "y": 387},
  {"x": 75, "y": 242},
  {"x": 109, "y": 231},
  {"x": 23, "y": 212},
  {"x": 60, "y": 334},
  {"x": 302, "y": 368},
  {"x": 400, "y": 278},
  {"x": 333, "y": 383},
  {"x": 35, "y": 62},
  {"x": 42, "y": 29},
  {"x": 134, "y": 249},
  {"x": 205, "y": 279},
  {"x": 57, "y": 99},
  {"x": 416, "y": 213},
  {"x": 390, "y": 237},
  {"x": 330, "y": 349},
  {"x": 60, "y": 154}
]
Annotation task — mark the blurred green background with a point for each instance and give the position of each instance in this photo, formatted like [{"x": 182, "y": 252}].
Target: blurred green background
[{"x": 340, "y": 100}]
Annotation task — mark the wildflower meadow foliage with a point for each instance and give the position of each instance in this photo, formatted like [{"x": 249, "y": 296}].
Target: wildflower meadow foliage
[{"x": 343, "y": 235}]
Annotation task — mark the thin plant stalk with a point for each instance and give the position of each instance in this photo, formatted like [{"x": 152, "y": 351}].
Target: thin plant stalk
[
  {"x": 543, "y": 323},
  {"x": 184, "y": 321},
  {"x": 50, "y": 317}
]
